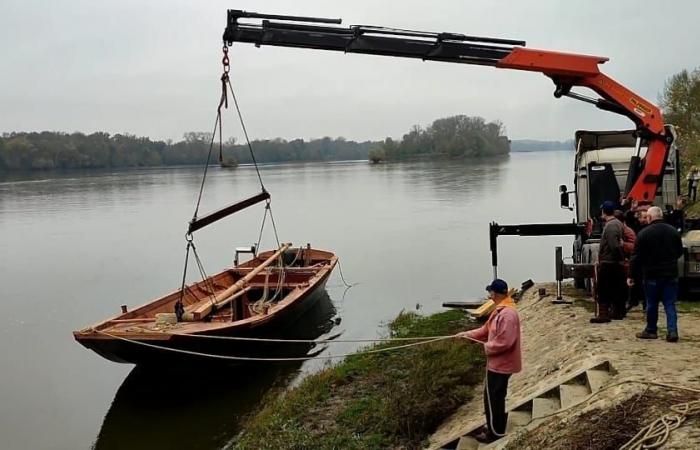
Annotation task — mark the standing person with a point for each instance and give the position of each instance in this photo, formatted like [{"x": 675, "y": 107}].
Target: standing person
[
  {"x": 693, "y": 177},
  {"x": 635, "y": 293},
  {"x": 501, "y": 338},
  {"x": 643, "y": 219},
  {"x": 638, "y": 288},
  {"x": 628, "y": 234},
  {"x": 612, "y": 292},
  {"x": 655, "y": 256}
]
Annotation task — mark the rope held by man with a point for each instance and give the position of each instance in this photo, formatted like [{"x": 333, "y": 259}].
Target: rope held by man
[{"x": 251, "y": 358}]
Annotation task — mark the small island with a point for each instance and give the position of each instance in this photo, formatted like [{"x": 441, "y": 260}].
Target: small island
[{"x": 458, "y": 136}]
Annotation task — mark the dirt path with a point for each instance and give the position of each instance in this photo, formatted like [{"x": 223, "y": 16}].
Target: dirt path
[{"x": 558, "y": 340}]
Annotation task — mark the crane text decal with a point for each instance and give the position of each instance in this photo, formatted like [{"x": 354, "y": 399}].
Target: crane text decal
[{"x": 640, "y": 107}]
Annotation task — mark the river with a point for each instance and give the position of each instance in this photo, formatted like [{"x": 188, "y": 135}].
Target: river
[{"x": 77, "y": 245}]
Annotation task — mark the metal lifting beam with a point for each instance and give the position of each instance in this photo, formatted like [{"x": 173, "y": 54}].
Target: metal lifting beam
[{"x": 207, "y": 219}]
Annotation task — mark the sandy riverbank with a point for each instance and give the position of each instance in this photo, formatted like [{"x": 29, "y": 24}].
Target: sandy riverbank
[{"x": 558, "y": 340}]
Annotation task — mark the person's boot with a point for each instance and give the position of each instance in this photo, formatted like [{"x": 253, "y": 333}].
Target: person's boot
[
  {"x": 603, "y": 314},
  {"x": 485, "y": 437},
  {"x": 672, "y": 336},
  {"x": 617, "y": 313},
  {"x": 646, "y": 335}
]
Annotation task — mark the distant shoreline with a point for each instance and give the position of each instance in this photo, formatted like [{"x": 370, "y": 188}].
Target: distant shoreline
[
  {"x": 535, "y": 145},
  {"x": 19, "y": 175},
  {"x": 544, "y": 150}
]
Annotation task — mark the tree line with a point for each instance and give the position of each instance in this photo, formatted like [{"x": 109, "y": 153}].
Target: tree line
[
  {"x": 55, "y": 150},
  {"x": 680, "y": 102},
  {"x": 458, "y": 136},
  {"x": 281, "y": 150}
]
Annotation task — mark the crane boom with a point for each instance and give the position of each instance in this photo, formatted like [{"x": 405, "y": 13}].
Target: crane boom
[{"x": 567, "y": 70}]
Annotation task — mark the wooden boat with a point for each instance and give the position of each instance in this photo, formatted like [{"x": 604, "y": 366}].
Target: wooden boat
[{"x": 258, "y": 298}]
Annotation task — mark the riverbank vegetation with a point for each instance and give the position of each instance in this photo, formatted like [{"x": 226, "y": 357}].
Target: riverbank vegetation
[
  {"x": 392, "y": 399},
  {"x": 59, "y": 151},
  {"x": 680, "y": 101},
  {"x": 450, "y": 137}
]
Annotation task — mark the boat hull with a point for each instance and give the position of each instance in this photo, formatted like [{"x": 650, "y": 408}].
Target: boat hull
[
  {"x": 122, "y": 351},
  {"x": 187, "y": 348}
]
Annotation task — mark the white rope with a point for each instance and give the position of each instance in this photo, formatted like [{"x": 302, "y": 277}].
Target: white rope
[
  {"x": 657, "y": 432},
  {"x": 251, "y": 358},
  {"x": 309, "y": 341}
]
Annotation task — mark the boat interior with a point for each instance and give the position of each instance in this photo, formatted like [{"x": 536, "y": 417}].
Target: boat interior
[{"x": 284, "y": 279}]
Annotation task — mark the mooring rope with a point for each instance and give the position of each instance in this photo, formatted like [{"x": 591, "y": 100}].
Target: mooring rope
[
  {"x": 313, "y": 341},
  {"x": 347, "y": 285},
  {"x": 252, "y": 358}
]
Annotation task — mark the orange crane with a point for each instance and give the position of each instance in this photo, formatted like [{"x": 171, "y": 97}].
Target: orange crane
[{"x": 567, "y": 70}]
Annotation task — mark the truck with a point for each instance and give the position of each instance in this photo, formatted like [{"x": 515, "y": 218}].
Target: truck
[{"x": 601, "y": 172}]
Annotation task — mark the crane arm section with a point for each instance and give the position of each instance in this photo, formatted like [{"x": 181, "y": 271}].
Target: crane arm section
[{"x": 567, "y": 70}]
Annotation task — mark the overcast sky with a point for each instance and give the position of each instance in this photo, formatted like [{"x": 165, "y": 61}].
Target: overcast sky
[{"x": 152, "y": 67}]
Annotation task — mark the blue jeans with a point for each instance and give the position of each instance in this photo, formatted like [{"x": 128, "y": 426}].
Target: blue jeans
[{"x": 666, "y": 291}]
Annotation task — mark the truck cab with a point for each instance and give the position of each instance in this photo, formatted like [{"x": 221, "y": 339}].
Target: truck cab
[{"x": 601, "y": 169}]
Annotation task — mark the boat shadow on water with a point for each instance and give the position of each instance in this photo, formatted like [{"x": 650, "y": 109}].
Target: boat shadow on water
[{"x": 202, "y": 407}]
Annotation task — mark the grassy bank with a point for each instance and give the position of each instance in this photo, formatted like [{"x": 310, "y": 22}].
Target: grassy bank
[{"x": 384, "y": 400}]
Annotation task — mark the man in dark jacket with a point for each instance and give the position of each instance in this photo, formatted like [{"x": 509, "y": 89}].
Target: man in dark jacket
[
  {"x": 655, "y": 257},
  {"x": 612, "y": 292}
]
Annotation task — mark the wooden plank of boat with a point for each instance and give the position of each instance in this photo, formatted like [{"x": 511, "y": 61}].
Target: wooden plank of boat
[
  {"x": 471, "y": 304},
  {"x": 286, "y": 269},
  {"x": 133, "y": 320},
  {"x": 202, "y": 308},
  {"x": 199, "y": 311}
]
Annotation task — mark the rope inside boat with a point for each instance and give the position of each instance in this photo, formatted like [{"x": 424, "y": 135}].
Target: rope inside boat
[
  {"x": 260, "y": 306},
  {"x": 252, "y": 358}
]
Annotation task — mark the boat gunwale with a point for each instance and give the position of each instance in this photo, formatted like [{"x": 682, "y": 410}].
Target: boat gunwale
[{"x": 96, "y": 332}]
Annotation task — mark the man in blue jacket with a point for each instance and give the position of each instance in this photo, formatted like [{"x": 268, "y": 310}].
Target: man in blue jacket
[{"x": 655, "y": 257}]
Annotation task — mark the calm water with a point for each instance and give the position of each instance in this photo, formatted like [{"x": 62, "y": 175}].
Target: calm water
[{"x": 76, "y": 246}]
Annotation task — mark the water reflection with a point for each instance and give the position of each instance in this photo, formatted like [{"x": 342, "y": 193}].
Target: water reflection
[
  {"x": 201, "y": 408},
  {"x": 461, "y": 180}
]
